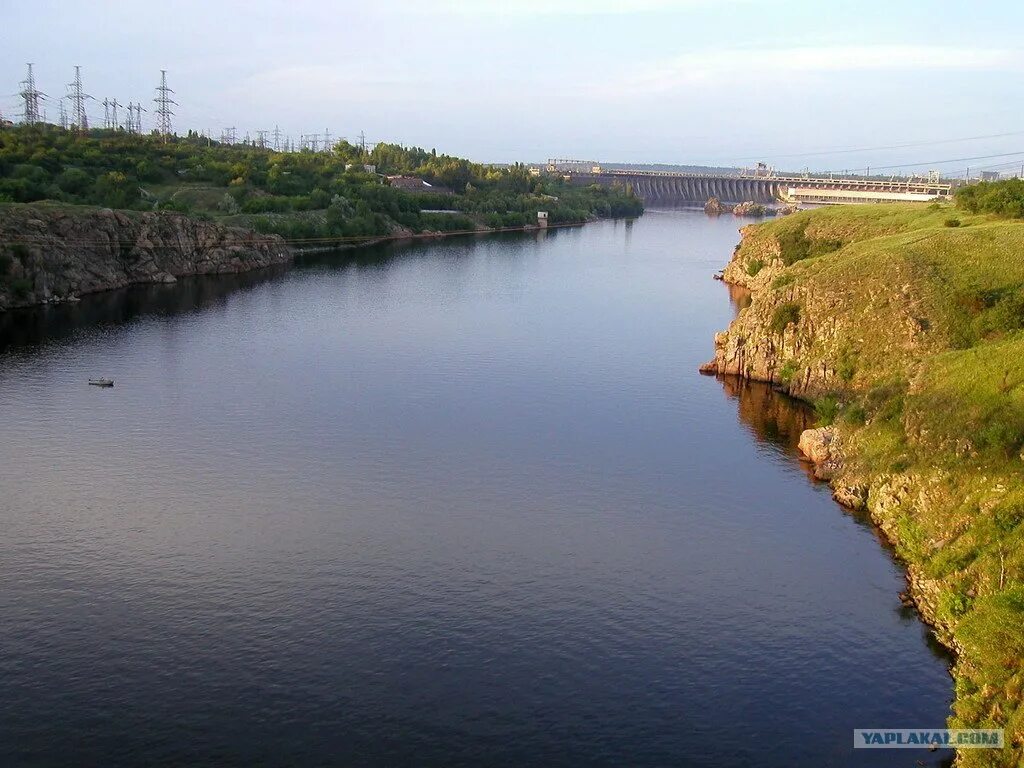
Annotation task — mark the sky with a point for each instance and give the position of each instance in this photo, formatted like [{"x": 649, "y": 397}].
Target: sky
[{"x": 826, "y": 84}]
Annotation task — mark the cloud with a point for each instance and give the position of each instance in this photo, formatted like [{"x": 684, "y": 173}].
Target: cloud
[{"x": 718, "y": 66}]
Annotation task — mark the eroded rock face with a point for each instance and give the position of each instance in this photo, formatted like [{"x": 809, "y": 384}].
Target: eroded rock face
[
  {"x": 821, "y": 447},
  {"x": 52, "y": 254}
]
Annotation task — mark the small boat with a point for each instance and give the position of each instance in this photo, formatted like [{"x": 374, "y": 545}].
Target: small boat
[{"x": 101, "y": 382}]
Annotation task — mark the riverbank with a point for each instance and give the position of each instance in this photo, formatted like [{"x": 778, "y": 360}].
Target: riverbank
[
  {"x": 904, "y": 326},
  {"x": 52, "y": 253}
]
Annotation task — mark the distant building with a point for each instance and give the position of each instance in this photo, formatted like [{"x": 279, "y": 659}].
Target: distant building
[
  {"x": 542, "y": 219},
  {"x": 990, "y": 175},
  {"x": 416, "y": 184},
  {"x": 367, "y": 168}
]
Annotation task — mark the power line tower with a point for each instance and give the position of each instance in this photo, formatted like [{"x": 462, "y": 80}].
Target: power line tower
[
  {"x": 277, "y": 139},
  {"x": 327, "y": 140},
  {"x": 106, "y": 113},
  {"x": 78, "y": 97},
  {"x": 32, "y": 97},
  {"x": 63, "y": 114},
  {"x": 261, "y": 139},
  {"x": 113, "y": 114},
  {"x": 138, "y": 117},
  {"x": 163, "y": 106},
  {"x": 129, "y": 120},
  {"x": 362, "y": 144}
]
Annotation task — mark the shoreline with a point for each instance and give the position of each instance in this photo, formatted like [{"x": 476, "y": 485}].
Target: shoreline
[
  {"x": 243, "y": 251},
  {"x": 864, "y": 313}
]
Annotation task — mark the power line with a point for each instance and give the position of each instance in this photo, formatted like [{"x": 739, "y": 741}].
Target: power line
[
  {"x": 951, "y": 160},
  {"x": 905, "y": 145}
]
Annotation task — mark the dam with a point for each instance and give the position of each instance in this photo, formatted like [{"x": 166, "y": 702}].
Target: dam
[{"x": 680, "y": 188}]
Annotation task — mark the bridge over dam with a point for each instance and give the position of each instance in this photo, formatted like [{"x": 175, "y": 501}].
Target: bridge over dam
[{"x": 667, "y": 188}]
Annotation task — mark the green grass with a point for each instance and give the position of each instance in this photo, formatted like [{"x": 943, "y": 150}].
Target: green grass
[{"x": 922, "y": 324}]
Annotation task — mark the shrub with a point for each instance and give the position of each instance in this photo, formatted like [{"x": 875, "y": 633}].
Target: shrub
[
  {"x": 951, "y": 222},
  {"x": 826, "y": 409},
  {"x": 21, "y": 287},
  {"x": 782, "y": 281},
  {"x": 855, "y": 415},
  {"x": 788, "y": 371},
  {"x": 786, "y": 314},
  {"x": 755, "y": 266}
]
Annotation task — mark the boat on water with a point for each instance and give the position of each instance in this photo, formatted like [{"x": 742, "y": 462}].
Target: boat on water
[{"x": 101, "y": 382}]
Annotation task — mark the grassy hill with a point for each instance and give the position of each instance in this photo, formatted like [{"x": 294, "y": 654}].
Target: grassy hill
[{"x": 904, "y": 325}]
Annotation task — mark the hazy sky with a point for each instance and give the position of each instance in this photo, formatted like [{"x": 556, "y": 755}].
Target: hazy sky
[{"x": 694, "y": 81}]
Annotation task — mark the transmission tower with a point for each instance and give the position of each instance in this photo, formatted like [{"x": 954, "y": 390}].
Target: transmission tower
[
  {"x": 32, "y": 98},
  {"x": 78, "y": 97},
  {"x": 129, "y": 120},
  {"x": 327, "y": 140},
  {"x": 113, "y": 113},
  {"x": 362, "y": 143},
  {"x": 261, "y": 139},
  {"x": 138, "y": 117},
  {"x": 106, "y": 113},
  {"x": 163, "y": 106},
  {"x": 277, "y": 139},
  {"x": 63, "y": 114}
]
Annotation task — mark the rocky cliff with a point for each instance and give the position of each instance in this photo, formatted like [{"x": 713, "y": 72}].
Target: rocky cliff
[
  {"x": 908, "y": 336},
  {"x": 57, "y": 253}
]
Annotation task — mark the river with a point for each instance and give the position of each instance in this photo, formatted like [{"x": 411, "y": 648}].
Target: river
[{"x": 458, "y": 503}]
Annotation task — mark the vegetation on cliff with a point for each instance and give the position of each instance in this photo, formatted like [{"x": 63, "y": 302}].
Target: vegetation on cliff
[
  {"x": 908, "y": 334},
  {"x": 298, "y": 195}
]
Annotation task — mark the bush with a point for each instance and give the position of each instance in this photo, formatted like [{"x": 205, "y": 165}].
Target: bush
[
  {"x": 951, "y": 222},
  {"x": 785, "y": 314},
  {"x": 782, "y": 281},
  {"x": 755, "y": 266},
  {"x": 21, "y": 287},
  {"x": 825, "y": 410},
  {"x": 788, "y": 371}
]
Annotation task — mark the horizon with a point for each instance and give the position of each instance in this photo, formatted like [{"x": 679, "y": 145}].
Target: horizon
[{"x": 611, "y": 82}]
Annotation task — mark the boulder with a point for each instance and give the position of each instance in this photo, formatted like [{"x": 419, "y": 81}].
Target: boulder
[
  {"x": 821, "y": 448},
  {"x": 749, "y": 208},
  {"x": 714, "y": 207}
]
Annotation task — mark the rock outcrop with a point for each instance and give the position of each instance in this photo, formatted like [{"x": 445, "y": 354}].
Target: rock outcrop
[
  {"x": 50, "y": 254},
  {"x": 714, "y": 207},
  {"x": 750, "y": 208},
  {"x": 822, "y": 449}
]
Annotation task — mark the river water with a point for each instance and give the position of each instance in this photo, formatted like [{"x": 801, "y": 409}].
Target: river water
[{"x": 459, "y": 503}]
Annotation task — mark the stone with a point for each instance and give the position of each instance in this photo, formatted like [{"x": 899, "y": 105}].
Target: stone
[
  {"x": 85, "y": 251},
  {"x": 714, "y": 207},
  {"x": 820, "y": 446},
  {"x": 853, "y": 497}
]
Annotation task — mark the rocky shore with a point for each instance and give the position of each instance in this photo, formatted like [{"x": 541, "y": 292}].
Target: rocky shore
[
  {"x": 52, "y": 254},
  {"x": 862, "y": 313}
]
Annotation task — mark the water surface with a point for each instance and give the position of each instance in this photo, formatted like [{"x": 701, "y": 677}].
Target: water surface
[{"x": 463, "y": 503}]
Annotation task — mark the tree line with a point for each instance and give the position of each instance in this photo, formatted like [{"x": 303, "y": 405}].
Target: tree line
[{"x": 297, "y": 194}]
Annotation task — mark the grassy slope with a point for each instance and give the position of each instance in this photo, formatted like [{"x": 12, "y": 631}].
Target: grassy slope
[{"x": 924, "y": 324}]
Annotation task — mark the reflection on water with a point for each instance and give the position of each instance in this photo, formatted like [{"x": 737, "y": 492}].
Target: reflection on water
[
  {"x": 771, "y": 416},
  {"x": 439, "y": 504}
]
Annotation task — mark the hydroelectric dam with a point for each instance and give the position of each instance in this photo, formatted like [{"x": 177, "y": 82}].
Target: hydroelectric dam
[{"x": 679, "y": 188}]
